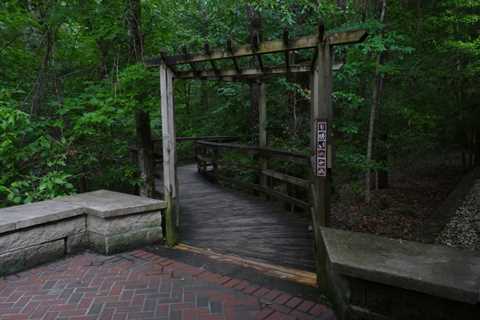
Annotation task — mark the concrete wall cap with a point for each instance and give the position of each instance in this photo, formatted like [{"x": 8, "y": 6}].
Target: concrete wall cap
[
  {"x": 102, "y": 203},
  {"x": 106, "y": 204},
  {"x": 436, "y": 270}
]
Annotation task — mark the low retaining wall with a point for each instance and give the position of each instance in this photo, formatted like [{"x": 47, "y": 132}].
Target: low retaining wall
[
  {"x": 372, "y": 277},
  {"x": 105, "y": 221}
]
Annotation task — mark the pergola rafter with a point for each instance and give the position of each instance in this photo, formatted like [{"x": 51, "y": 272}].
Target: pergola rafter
[{"x": 256, "y": 49}]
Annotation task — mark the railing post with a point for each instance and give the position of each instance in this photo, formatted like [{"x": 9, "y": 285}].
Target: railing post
[{"x": 262, "y": 132}]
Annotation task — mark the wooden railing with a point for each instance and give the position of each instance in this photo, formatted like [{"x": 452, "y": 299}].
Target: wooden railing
[
  {"x": 158, "y": 152},
  {"x": 205, "y": 138},
  {"x": 268, "y": 178}
]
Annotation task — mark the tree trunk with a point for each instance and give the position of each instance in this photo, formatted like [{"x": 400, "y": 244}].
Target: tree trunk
[
  {"x": 382, "y": 174},
  {"x": 342, "y": 4},
  {"x": 103, "y": 47},
  {"x": 255, "y": 29},
  {"x": 142, "y": 118},
  {"x": 376, "y": 96},
  {"x": 134, "y": 16},
  {"x": 145, "y": 153},
  {"x": 204, "y": 96},
  {"x": 41, "y": 11},
  {"x": 40, "y": 87},
  {"x": 477, "y": 147}
]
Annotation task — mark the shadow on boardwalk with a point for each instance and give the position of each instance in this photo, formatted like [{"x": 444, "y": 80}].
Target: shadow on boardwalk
[{"x": 233, "y": 222}]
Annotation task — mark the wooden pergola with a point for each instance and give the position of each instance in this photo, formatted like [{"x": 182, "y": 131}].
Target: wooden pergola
[{"x": 319, "y": 68}]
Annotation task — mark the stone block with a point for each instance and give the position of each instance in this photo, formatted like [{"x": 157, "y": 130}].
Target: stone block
[
  {"x": 14, "y": 261},
  {"x": 33, "y": 236},
  {"x": 114, "y": 243},
  {"x": 76, "y": 242},
  {"x": 125, "y": 223}
]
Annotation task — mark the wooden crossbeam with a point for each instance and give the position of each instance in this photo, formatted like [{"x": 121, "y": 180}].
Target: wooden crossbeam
[
  {"x": 247, "y": 73},
  {"x": 266, "y": 47}
]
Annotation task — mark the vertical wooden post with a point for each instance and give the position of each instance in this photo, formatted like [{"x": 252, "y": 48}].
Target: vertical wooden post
[
  {"x": 169, "y": 154},
  {"x": 262, "y": 130},
  {"x": 321, "y": 109}
]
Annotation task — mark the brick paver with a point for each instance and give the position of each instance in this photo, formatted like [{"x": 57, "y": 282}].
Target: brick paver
[{"x": 140, "y": 285}]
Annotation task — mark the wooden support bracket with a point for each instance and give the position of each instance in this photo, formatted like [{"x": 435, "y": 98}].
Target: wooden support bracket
[
  {"x": 230, "y": 50},
  {"x": 191, "y": 63},
  {"x": 212, "y": 62}
]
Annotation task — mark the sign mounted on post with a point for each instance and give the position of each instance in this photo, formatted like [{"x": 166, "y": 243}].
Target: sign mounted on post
[{"x": 321, "y": 148}]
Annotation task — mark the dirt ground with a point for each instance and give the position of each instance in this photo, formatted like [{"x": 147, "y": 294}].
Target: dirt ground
[{"x": 416, "y": 191}]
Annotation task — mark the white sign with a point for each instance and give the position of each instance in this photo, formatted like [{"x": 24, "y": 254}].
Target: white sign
[{"x": 321, "y": 148}]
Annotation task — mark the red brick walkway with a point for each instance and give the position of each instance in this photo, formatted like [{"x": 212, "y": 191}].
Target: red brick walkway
[{"x": 141, "y": 285}]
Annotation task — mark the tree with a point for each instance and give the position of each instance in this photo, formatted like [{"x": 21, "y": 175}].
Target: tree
[
  {"x": 142, "y": 118},
  {"x": 43, "y": 12},
  {"x": 376, "y": 98},
  {"x": 254, "y": 36}
]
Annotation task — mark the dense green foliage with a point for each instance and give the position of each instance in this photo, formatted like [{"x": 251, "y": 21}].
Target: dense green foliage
[{"x": 69, "y": 87}]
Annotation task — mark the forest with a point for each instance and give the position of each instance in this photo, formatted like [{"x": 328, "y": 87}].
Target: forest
[{"x": 73, "y": 81}]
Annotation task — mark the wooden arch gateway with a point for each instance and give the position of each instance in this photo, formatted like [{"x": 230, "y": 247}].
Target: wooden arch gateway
[{"x": 319, "y": 68}]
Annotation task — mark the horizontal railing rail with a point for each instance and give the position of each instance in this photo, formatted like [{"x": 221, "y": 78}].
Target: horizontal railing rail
[
  {"x": 263, "y": 152},
  {"x": 287, "y": 187},
  {"x": 204, "y": 138}
]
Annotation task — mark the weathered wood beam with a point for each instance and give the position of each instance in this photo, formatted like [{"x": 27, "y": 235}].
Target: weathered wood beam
[
  {"x": 186, "y": 56},
  {"x": 230, "y": 50},
  {"x": 162, "y": 59},
  {"x": 321, "y": 34},
  {"x": 321, "y": 110},
  {"x": 262, "y": 129},
  {"x": 256, "y": 47},
  {"x": 265, "y": 152},
  {"x": 212, "y": 62},
  {"x": 247, "y": 73},
  {"x": 266, "y": 47},
  {"x": 287, "y": 178},
  {"x": 169, "y": 154}
]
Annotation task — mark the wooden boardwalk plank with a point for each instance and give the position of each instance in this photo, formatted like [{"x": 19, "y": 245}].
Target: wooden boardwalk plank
[{"x": 233, "y": 222}]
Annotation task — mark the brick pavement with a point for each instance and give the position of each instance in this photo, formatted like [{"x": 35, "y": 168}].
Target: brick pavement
[{"x": 143, "y": 286}]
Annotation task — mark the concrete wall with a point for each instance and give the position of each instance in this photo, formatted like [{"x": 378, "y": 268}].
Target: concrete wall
[
  {"x": 371, "y": 277},
  {"x": 105, "y": 221}
]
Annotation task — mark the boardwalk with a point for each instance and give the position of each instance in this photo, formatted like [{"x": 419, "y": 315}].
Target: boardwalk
[{"x": 233, "y": 222}]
